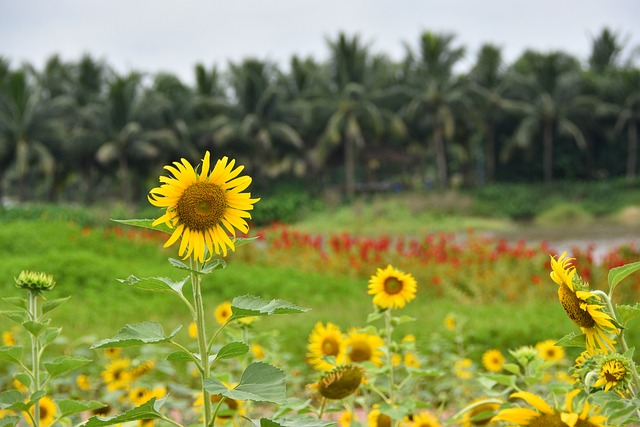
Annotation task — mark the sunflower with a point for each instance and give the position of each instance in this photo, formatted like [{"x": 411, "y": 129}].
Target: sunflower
[
  {"x": 140, "y": 395},
  {"x": 257, "y": 351},
  {"x": 392, "y": 288},
  {"x": 341, "y": 382},
  {"x": 463, "y": 368},
  {"x": 364, "y": 347},
  {"x": 345, "y": 419},
  {"x": 203, "y": 209},
  {"x": 193, "y": 330},
  {"x": 425, "y": 419},
  {"x": 411, "y": 360},
  {"x": 48, "y": 411},
  {"x": 480, "y": 413},
  {"x": 544, "y": 415},
  {"x": 8, "y": 339},
  {"x": 615, "y": 373},
  {"x": 582, "y": 306},
  {"x": 493, "y": 360},
  {"x": 378, "y": 419},
  {"x": 549, "y": 351},
  {"x": 223, "y": 312},
  {"x": 83, "y": 383},
  {"x": 326, "y": 341},
  {"x": 117, "y": 375}
]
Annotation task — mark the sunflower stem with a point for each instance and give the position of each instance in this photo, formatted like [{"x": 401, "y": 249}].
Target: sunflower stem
[
  {"x": 34, "y": 311},
  {"x": 389, "y": 331},
  {"x": 202, "y": 342},
  {"x": 322, "y": 406}
]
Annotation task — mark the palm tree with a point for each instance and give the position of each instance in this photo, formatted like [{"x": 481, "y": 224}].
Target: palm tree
[
  {"x": 436, "y": 93},
  {"x": 627, "y": 89},
  {"x": 606, "y": 49},
  {"x": 545, "y": 90}
]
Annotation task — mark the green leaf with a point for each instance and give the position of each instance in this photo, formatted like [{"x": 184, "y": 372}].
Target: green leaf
[
  {"x": 69, "y": 407},
  {"x": 512, "y": 368},
  {"x": 508, "y": 380},
  {"x": 62, "y": 364},
  {"x": 155, "y": 284},
  {"x": 137, "y": 334},
  {"x": 50, "y": 334},
  {"x": 572, "y": 340},
  {"x": 17, "y": 302},
  {"x": 206, "y": 268},
  {"x": 35, "y": 328},
  {"x": 628, "y": 312},
  {"x": 231, "y": 350},
  {"x": 13, "y": 400},
  {"x": 296, "y": 421},
  {"x": 260, "y": 382},
  {"x": 148, "y": 410},
  {"x": 249, "y": 305},
  {"x": 144, "y": 223},
  {"x": 11, "y": 354},
  {"x": 16, "y": 316},
  {"x": 616, "y": 275},
  {"x": 402, "y": 319},
  {"x": 49, "y": 305},
  {"x": 241, "y": 241},
  {"x": 372, "y": 317},
  {"x": 9, "y": 421},
  {"x": 9, "y": 397},
  {"x": 182, "y": 356}
]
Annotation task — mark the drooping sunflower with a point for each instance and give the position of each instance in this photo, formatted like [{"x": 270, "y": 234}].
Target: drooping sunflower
[
  {"x": 341, "y": 382},
  {"x": 203, "y": 209},
  {"x": 223, "y": 312},
  {"x": 545, "y": 415},
  {"x": 549, "y": 351},
  {"x": 582, "y": 306},
  {"x": 364, "y": 347},
  {"x": 493, "y": 360},
  {"x": 392, "y": 288},
  {"x": 48, "y": 411},
  {"x": 325, "y": 341}
]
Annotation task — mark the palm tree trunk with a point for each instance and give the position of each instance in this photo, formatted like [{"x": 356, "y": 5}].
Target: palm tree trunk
[
  {"x": 547, "y": 149},
  {"x": 350, "y": 167},
  {"x": 632, "y": 149},
  {"x": 441, "y": 156}
]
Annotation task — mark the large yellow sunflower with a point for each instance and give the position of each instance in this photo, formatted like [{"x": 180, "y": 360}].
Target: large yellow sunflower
[
  {"x": 544, "y": 415},
  {"x": 582, "y": 306},
  {"x": 203, "y": 209},
  {"x": 325, "y": 341},
  {"x": 48, "y": 411},
  {"x": 364, "y": 347},
  {"x": 392, "y": 288}
]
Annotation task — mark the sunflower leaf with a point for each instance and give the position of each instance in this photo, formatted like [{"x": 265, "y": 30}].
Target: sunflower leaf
[
  {"x": 295, "y": 421},
  {"x": 53, "y": 303},
  {"x": 241, "y": 241},
  {"x": 231, "y": 350},
  {"x": 249, "y": 306},
  {"x": 9, "y": 421},
  {"x": 63, "y": 364},
  {"x": 144, "y": 223},
  {"x": 17, "y": 302},
  {"x": 148, "y": 410},
  {"x": 11, "y": 354},
  {"x": 628, "y": 312},
  {"x": 572, "y": 340},
  {"x": 616, "y": 275},
  {"x": 137, "y": 334},
  {"x": 260, "y": 382},
  {"x": 70, "y": 407},
  {"x": 155, "y": 284},
  {"x": 15, "y": 315}
]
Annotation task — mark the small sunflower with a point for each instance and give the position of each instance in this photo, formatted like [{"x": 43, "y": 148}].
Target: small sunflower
[
  {"x": 113, "y": 352},
  {"x": 614, "y": 373},
  {"x": 411, "y": 360},
  {"x": 257, "y": 351},
  {"x": 223, "y": 312},
  {"x": 326, "y": 341},
  {"x": 450, "y": 322},
  {"x": 117, "y": 375},
  {"x": 203, "y": 209},
  {"x": 345, "y": 419},
  {"x": 142, "y": 369},
  {"x": 48, "y": 411},
  {"x": 83, "y": 383},
  {"x": 193, "y": 330},
  {"x": 582, "y": 306},
  {"x": 392, "y": 288},
  {"x": 425, "y": 419},
  {"x": 463, "y": 368},
  {"x": 375, "y": 418},
  {"x": 545, "y": 415},
  {"x": 493, "y": 360},
  {"x": 364, "y": 347},
  {"x": 8, "y": 339},
  {"x": 549, "y": 351}
]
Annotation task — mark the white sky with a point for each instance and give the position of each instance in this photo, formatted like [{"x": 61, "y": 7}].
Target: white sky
[{"x": 173, "y": 36}]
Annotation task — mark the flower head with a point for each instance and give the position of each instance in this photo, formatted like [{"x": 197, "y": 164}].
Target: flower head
[
  {"x": 493, "y": 360},
  {"x": 545, "y": 415},
  {"x": 203, "y": 209},
  {"x": 223, "y": 312},
  {"x": 614, "y": 372},
  {"x": 117, "y": 375},
  {"x": 424, "y": 419},
  {"x": 392, "y": 288},
  {"x": 325, "y": 341},
  {"x": 582, "y": 306},
  {"x": 364, "y": 347},
  {"x": 341, "y": 382},
  {"x": 48, "y": 411},
  {"x": 463, "y": 368},
  {"x": 375, "y": 418},
  {"x": 35, "y": 281},
  {"x": 549, "y": 351}
]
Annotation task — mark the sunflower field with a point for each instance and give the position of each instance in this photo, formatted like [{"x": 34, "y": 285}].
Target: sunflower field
[{"x": 196, "y": 318}]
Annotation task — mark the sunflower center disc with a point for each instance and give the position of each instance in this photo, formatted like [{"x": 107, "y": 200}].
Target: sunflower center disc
[
  {"x": 201, "y": 206},
  {"x": 330, "y": 348},
  {"x": 548, "y": 420},
  {"x": 392, "y": 286},
  {"x": 360, "y": 353},
  {"x": 571, "y": 304}
]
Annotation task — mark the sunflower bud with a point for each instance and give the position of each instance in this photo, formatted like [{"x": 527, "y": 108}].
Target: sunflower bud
[
  {"x": 35, "y": 281},
  {"x": 343, "y": 381}
]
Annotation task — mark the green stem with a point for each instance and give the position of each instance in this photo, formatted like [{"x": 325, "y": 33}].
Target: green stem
[
  {"x": 202, "y": 343},
  {"x": 389, "y": 331},
  {"x": 215, "y": 413},
  {"x": 34, "y": 310},
  {"x": 322, "y": 406},
  {"x": 186, "y": 350},
  {"x": 215, "y": 334}
]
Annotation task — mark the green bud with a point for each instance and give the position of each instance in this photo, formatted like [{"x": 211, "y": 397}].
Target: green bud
[{"x": 35, "y": 281}]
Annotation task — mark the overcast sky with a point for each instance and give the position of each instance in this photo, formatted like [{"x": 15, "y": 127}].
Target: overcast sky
[{"x": 173, "y": 36}]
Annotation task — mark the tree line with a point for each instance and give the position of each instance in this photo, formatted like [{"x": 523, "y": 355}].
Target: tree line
[{"x": 357, "y": 121}]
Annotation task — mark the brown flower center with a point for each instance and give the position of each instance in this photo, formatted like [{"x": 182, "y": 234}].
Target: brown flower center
[
  {"x": 330, "y": 347},
  {"x": 360, "y": 352},
  {"x": 43, "y": 412},
  {"x": 392, "y": 285},
  {"x": 613, "y": 371},
  {"x": 201, "y": 206},
  {"x": 384, "y": 420},
  {"x": 571, "y": 304}
]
